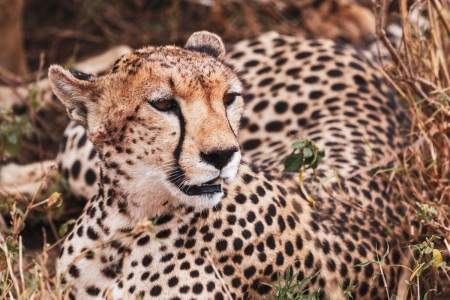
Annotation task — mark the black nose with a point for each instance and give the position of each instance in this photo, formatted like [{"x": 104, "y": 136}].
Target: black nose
[{"x": 218, "y": 158}]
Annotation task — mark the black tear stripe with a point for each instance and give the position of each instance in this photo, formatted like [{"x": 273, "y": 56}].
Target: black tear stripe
[{"x": 177, "y": 175}]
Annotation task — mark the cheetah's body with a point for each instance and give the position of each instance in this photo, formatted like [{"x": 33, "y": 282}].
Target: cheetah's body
[{"x": 315, "y": 88}]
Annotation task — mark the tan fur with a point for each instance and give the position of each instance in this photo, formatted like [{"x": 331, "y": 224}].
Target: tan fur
[{"x": 263, "y": 224}]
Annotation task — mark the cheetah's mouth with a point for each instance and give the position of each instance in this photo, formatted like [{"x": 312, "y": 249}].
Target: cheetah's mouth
[{"x": 210, "y": 187}]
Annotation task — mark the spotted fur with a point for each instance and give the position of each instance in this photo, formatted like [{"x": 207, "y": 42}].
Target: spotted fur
[{"x": 141, "y": 235}]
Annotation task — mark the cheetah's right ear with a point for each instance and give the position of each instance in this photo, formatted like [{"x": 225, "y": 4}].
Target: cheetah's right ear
[
  {"x": 206, "y": 42},
  {"x": 75, "y": 90}
]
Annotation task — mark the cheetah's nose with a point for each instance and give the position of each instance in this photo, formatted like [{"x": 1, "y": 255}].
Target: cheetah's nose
[{"x": 218, "y": 158}]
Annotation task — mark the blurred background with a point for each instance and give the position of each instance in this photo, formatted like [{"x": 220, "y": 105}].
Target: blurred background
[{"x": 73, "y": 29}]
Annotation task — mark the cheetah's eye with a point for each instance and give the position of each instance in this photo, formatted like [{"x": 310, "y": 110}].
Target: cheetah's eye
[
  {"x": 228, "y": 99},
  {"x": 164, "y": 104}
]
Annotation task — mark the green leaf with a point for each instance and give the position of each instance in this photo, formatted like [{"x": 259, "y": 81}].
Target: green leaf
[
  {"x": 65, "y": 227},
  {"x": 320, "y": 156},
  {"x": 385, "y": 254},
  {"x": 365, "y": 264},
  {"x": 307, "y": 152},
  {"x": 298, "y": 144},
  {"x": 425, "y": 266},
  {"x": 293, "y": 162}
]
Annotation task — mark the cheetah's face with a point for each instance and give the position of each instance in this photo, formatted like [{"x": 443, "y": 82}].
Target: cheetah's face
[{"x": 164, "y": 120}]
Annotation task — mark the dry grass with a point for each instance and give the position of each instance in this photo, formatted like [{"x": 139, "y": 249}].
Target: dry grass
[{"x": 419, "y": 71}]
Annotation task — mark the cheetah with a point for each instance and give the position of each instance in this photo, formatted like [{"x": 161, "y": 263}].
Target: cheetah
[{"x": 192, "y": 202}]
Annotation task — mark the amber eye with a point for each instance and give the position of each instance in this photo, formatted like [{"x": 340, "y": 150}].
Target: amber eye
[
  {"x": 228, "y": 99},
  {"x": 164, "y": 105}
]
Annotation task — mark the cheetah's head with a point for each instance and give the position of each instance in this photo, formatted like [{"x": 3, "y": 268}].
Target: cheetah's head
[{"x": 164, "y": 120}]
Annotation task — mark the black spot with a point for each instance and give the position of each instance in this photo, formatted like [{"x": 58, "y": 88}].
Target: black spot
[
  {"x": 249, "y": 272},
  {"x": 231, "y": 219},
  {"x": 368, "y": 271},
  {"x": 92, "y": 234},
  {"x": 74, "y": 271},
  {"x": 331, "y": 265},
  {"x": 317, "y": 67},
  {"x": 169, "y": 269},
  {"x": 280, "y": 259},
  {"x": 190, "y": 243},
  {"x": 240, "y": 198},
  {"x": 82, "y": 141},
  {"x": 260, "y": 106},
  {"x": 264, "y": 70},
  {"x": 146, "y": 261},
  {"x": 145, "y": 276},
  {"x": 237, "y": 244},
  {"x": 237, "y": 54},
  {"x": 289, "y": 248},
  {"x": 302, "y": 55},
  {"x": 90, "y": 177},
  {"x": 359, "y": 80},
  {"x": 281, "y": 61},
  {"x": 76, "y": 169},
  {"x": 311, "y": 79},
  {"x": 324, "y": 58},
  {"x": 363, "y": 289},
  {"x": 173, "y": 281},
  {"x": 221, "y": 245},
  {"x": 251, "y": 216},
  {"x": 315, "y": 95},
  {"x": 251, "y": 63},
  {"x": 249, "y": 250},
  {"x": 143, "y": 240},
  {"x": 293, "y": 71},
  {"x": 356, "y": 66},
  {"x": 338, "y": 87},
  {"x": 276, "y": 87},
  {"x": 251, "y": 144},
  {"x": 309, "y": 260},
  {"x": 259, "y": 228},
  {"x": 362, "y": 251},
  {"x": 197, "y": 288},
  {"x": 281, "y": 107},
  {"x": 343, "y": 271},
  {"x": 334, "y": 73},
  {"x": 155, "y": 291},
  {"x": 299, "y": 108},
  {"x": 154, "y": 277},
  {"x": 92, "y": 290},
  {"x": 292, "y": 88},
  {"x": 163, "y": 234},
  {"x": 185, "y": 266},
  {"x": 265, "y": 82},
  {"x": 236, "y": 282},
  {"x": 261, "y": 192}
]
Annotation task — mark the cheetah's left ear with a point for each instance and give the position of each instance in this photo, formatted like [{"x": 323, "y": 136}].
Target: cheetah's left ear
[
  {"x": 206, "y": 42},
  {"x": 76, "y": 91}
]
